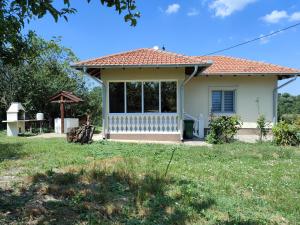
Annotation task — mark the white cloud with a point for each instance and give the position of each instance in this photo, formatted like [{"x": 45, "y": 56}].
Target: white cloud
[
  {"x": 193, "y": 12},
  {"x": 295, "y": 16},
  {"x": 173, "y": 8},
  {"x": 225, "y": 8},
  {"x": 264, "y": 40},
  {"x": 156, "y": 47},
  {"x": 275, "y": 16}
]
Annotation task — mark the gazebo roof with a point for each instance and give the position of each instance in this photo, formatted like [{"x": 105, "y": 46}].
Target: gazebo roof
[{"x": 66, "y": 97}]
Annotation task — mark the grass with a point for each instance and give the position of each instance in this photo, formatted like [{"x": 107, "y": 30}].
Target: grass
[{"x": 122, "y": 183}]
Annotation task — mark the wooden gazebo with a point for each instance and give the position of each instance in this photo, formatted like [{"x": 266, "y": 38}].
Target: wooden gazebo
[{"x": 64, "y": 97}]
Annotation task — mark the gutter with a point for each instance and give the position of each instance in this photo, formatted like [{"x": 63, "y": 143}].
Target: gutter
[
  {"x": 142, "y": 66},
  {"x": 275, "y": 97},
  {"x": 249, "y": 74},
  {"x": 196, "y": 69}
]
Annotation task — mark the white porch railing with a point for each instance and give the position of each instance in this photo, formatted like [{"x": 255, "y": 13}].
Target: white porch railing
[
  {"x": 198, "y": 130},
  {"x": 143, "y": 123}
]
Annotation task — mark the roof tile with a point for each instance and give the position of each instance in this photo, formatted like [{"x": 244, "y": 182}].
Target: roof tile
[
  {"x": 144, "y": 56},
  {"x": 220, "y": 64},
  {"x": 226, "y": 64}
]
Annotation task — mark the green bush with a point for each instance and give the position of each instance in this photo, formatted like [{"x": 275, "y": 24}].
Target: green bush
[
  {"x": 286, "y": 134},
  {"x": 290, "y": 118},
  {"x": 297, "y": 122},
  {"x": 222, "y": 129}
]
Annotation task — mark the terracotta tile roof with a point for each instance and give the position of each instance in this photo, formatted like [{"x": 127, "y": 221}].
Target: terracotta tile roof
[
  {"x": 151, "y": 57},
  {"x": 231, "y": 65},
  {"x": 143, "y": 56}
]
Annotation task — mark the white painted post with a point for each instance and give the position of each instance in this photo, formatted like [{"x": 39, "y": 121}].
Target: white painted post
[
  {"x": 125, "y": 98},
  {"x": 142, "y": 97},
  {"x": 104, "y": 118}
]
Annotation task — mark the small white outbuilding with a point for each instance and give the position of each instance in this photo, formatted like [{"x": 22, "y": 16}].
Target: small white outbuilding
[{"x": 15, "y": 119}]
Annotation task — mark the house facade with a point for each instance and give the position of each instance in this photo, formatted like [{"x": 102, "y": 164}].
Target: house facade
[{"x": 148, "y": 93}]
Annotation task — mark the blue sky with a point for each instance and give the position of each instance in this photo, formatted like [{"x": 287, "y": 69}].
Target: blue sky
[{"x": 193, "y": 27}]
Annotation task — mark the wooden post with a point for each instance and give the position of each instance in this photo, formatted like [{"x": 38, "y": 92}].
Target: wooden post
[{"x": 62, "y": 114}]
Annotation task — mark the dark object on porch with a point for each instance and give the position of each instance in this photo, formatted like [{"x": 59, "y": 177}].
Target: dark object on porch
[
  {"x": 188, "y": 129},
  {"x": 62, "y": 98},
  {"x": 83, "y": 134}
]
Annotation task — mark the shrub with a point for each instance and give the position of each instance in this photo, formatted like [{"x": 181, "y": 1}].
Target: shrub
[
  {"x": 290, "y": 118},
  {"x": 262, "y": 126},
  {"x": 286, "y": 134},
  {"x": 297, "y": 122},
  {"x": 223, "y": 129}
]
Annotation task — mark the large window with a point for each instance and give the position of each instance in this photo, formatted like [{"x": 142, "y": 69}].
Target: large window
[
  {"x": 116, "y": 97},
  {"x": 151, "y": 97},
  {"x": 168, "y": 97},
  {"x": 143, "y": 97},
  {"x": 134, "y": 97},
  {"x": 223, "y": 101}
]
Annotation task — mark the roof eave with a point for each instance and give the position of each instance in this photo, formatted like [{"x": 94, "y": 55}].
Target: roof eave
[{"x": 141, "y": 66}]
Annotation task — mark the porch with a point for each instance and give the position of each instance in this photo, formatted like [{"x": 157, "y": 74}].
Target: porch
[{"x": 146, "y": 110}]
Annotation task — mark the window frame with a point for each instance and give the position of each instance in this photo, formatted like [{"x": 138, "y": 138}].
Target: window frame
[
  {"x": 142, "y": 95},
  {"x": 223, "y": 90}
]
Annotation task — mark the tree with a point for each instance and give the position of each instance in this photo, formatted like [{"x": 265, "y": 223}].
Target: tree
[
  {"x": 288, "y": 104},
  {"x": 262, "y": 126},
  {"x": 91, "y": 105},
  {"x": 44, "y": 71},
  {"x": 14, "y": 14}
]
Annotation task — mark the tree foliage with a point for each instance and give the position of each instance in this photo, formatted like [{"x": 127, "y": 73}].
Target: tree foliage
[
  {"x": 15, "y": 13},
  {"x": 288, "y": 104},
  {"x": 44, "y": 71},
  {"x": 286, "y": 134}
]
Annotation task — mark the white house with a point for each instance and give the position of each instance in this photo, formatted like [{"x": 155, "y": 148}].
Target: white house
[{"x": 147, "y": 93}]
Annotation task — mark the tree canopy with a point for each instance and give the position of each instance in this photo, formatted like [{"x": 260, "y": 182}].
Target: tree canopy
[
  {"x": 288, "y": 104},
  {"x": 44, "y": 71},
  {"x": 15, "y": 13}
]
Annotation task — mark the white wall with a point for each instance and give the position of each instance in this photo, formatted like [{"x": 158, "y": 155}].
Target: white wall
[
  {"x": 13, "y": 128},
  {"x": 68, "y": 124},
  {"x": 249, "y": 89}
]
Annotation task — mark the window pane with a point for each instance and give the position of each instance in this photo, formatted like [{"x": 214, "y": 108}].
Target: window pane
[
  {"x": 216, "y": 101},
  {"x": 229, "y": 101},
  {"x": 116, "y": 97},
  {"x": 168, "y": 97},
  {"x": 134, "y": 97},
  {"x": 151, "y": 97}
]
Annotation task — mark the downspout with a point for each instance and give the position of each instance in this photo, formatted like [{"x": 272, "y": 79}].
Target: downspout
[
  {"x": 275, "y": 98},
  {"x": 182, "y": 98},
  {"x": 103, "y": 101}
]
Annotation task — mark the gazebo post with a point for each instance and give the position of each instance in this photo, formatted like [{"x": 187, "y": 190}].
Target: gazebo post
[
  {"x": 64, "y": 97},
  {"x": 62, "y": 114}
]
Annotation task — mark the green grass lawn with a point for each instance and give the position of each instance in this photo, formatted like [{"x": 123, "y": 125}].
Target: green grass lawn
[{"x": 122, "y": 183}]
